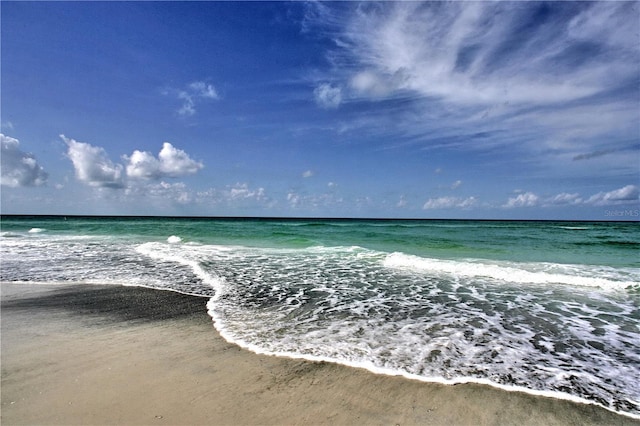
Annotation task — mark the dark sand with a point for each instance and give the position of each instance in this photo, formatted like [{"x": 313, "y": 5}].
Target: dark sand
[{"x": 99, "y": 355}]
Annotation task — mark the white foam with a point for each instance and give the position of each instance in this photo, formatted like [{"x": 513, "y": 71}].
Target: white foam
[
  {"x": 361, "y": 308},
  {"x": 168, "y": 253},
  {"x": 36, "y": 230},
  {"x": 174, "y": 239},
  {"x": 574, "y": 228},
  {"x": 221, "y": 326},
  {"x": 521, "y": 273}
]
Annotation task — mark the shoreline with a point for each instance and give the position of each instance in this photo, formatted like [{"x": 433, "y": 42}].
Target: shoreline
[{"x": 108, "y": 354}]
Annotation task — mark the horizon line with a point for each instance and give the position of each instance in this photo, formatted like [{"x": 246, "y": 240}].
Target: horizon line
[{"x": 300, "y": 218}]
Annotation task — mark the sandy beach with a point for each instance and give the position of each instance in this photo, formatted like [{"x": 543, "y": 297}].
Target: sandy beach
[{"x": 94, "y": 355}]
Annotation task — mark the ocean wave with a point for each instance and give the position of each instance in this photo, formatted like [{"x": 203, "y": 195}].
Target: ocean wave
[
  {"x": 521, "y": 273},
  {"x": 515, "y": 325}
]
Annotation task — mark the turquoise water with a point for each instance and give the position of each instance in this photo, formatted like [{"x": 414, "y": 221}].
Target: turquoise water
[{"x": 545, "y": 307}]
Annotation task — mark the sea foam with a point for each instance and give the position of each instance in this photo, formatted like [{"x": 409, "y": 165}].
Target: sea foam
[{"x": 519, "y": 272}]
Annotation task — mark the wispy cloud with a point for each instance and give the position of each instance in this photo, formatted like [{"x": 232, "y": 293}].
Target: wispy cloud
[
  {"x": 192, "y": 94},
  {"x": 6, "y": 125},
  {"x": 176, "y": 192},
  {"x": 449, "y": 202},
  {"x": 535, "y": 78},
  {"x": 593, "y": 154},
  {"x": 18, "y": 167},
  {"x": 327, "y": 96},
  {"x": 564, "y": 198}
]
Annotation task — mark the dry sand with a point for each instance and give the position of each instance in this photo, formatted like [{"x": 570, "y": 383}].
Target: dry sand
[{"x": 98, "y": 355}]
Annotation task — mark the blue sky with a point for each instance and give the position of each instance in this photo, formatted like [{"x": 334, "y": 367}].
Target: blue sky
[{"x": 521, "y": 110}]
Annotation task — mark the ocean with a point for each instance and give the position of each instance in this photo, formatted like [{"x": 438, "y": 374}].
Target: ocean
[{"x": 549, "y": 308}]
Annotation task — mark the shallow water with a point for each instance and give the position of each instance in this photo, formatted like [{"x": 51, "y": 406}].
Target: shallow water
[{"x": 551, "y": 308}]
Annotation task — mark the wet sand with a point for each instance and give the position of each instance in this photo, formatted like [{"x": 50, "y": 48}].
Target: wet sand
[{"x": 88, "y": 354}]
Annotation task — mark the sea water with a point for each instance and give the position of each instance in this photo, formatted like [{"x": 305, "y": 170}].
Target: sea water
[{"x": 550, "y": 308}]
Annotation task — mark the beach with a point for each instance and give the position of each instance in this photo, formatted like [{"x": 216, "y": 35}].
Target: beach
[{"x": 96, "y": 354}]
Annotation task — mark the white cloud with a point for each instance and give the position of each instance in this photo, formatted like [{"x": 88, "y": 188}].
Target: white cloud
[
  {"x": 143, "y": 165},
  {"x": 564, "y": 199},
  {"x": 242, "y": 191},
  {"x": 470, "y": 76},
  {"x": 459, "y": 53},
  {"x": 402, "y": 202},
  {"x": 6, "y": 125},
  {"x": 307, "y": 174},
  {"x": 19, "y": 168},
  {"x": 369, "y": 83},
  {"x": 203, "y": 90},
  {"x": 293, "y": 199},
  {"x": 327, "y": 96},
  {"x": 314, "y": 202},
  {"x": 175, "y": 162},
  {"x": 239, "y": 195},
  {"x": 456, "y": 184},
  {"x": 624, "y": 195},
  {"x": 93, "y": 166},
  {"x": 194, "y": 93},
  {"x": 188, "y": 106},
  {"x": 527, "y": 199},
  {"x": 163, "y": 191},
  {"x": 171, "y": 162},
  {"x": 449, "y": 202}
]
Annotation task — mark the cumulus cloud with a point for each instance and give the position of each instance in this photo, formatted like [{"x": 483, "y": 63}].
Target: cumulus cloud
[
  {"x": 19, "y": 168},
  {"x": 449, "y": 202},
  {"x": 528, "y": 199},
  {"x": 175, "y": 162},
  {"x": 191, "y": 95},
  {"x": 625, "y": 195},
  {"x": 171, "y": 162},
  {"x": 327, "y": 96},
  {"x": 93, "y": 166}
]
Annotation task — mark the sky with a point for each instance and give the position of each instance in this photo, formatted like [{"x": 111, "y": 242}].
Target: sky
[{"x": 471, "y": 110}]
